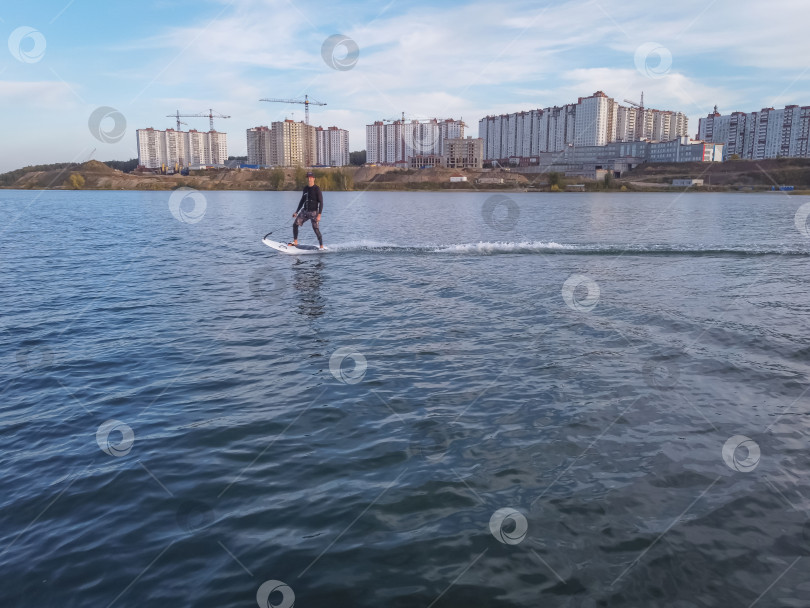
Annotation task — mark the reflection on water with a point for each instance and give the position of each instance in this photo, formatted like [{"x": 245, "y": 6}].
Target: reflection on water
[{"x": 307, "y": 281}]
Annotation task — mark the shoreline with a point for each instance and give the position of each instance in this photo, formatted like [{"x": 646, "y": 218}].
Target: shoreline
[
  {"x": 634, "y": 190},
  {"x": 743, "y": 177}
]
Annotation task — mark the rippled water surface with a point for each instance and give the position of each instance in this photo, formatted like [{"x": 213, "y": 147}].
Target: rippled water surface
[{"x": 533, "y": 400}]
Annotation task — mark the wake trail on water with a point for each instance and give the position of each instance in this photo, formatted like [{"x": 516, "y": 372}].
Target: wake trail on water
[{"x": 552, "y": 247}]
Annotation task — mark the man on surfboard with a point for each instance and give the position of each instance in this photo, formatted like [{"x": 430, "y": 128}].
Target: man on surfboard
[{"x": 310, "y": 208}]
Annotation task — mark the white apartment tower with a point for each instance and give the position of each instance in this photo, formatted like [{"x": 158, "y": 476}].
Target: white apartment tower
[
  {"x": 768, "y": 133},
  {"x": 375, "y": 142},
  {"x": 259, "y": 147},
  {"x": 171, "y": 148},
  {"x": 395, "y": 142},
  {"x": 332, "y": 146},
  {"x": 151, "y": 148},
  {"x": 592, "y": 121},
  {"x": 217, "y": 147},
  {"x": 292, "y": 144}
]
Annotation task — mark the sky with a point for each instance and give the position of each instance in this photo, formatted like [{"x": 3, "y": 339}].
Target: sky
[{"x": 78, "y": 77}]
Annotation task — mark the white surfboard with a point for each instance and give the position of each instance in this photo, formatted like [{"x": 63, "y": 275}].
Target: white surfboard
[{"x": 292, "y": 250}]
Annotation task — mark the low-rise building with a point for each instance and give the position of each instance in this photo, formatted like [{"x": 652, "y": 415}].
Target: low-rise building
[
  {"x": 684, "y": 150},
  {"x": 619, "y": 157}
]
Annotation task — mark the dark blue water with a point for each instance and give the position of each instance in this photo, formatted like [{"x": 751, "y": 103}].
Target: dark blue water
[{"x": 534, "y": 400}]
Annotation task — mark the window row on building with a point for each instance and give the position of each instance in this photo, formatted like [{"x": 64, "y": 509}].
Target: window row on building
[
  {"x": 592, "y": 121},
  {"x": 289, "y": 144},
  {"x": 172, "y": 148},
  {"x": 394, "y": 143},
  {"x": 769, "y": 133}
]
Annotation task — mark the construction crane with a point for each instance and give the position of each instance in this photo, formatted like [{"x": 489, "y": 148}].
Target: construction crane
[
  {"x": 211, "y": 115},
  {"x": 412, "y": 118},
  {"x": 402, "y": 119},
  {"x": 306, "y": 101},
  {"x": 640, "y": 105}
]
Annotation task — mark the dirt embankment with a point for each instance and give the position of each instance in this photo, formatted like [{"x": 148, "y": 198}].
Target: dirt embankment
[
  {"x": 94, "y": 175},
  {"x": 732, "y": 173},
  {"x": 735, "y": 174}
]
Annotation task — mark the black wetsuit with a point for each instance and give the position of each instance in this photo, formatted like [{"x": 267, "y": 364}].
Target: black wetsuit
[{"x": 309, "y": 208}]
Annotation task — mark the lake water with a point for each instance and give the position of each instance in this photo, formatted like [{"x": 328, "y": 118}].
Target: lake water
[{"x": 469, "y": 400}]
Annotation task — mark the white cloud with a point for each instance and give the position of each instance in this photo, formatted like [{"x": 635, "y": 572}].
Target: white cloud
[{"x": 47, "y": 94}]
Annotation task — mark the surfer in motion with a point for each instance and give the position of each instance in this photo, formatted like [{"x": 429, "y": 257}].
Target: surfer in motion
[{"x": 310, "y": 208}]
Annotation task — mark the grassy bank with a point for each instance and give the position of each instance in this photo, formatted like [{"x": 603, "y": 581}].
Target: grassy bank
[{"x": 731, "y": 176}]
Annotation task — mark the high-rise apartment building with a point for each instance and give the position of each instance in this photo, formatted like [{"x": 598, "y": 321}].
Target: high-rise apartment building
[
  {"x": 592, "y": 121},
  {"x": 289, "y": 144},
  {"x": 395, "y": 142},
  {"x": 293, "y": 144},
  {"x": 259, "y": 146},
  {"x": 768, "y": 133},
  {"x": 171, "y": 147},
  {"x": 375, "y": 142},
  {"x": 217, "y": 147},
  {"x": 332, "y": 146}
]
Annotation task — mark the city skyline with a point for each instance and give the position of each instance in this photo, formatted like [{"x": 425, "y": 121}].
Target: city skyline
[{"x": 79, "y": 78}]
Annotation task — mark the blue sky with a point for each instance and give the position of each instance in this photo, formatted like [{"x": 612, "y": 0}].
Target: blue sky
[{"x": 457, "y": 59}]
